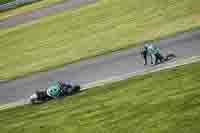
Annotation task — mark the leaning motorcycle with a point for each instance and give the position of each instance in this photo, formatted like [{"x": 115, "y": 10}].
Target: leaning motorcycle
[{"x": 40, "y": 96}]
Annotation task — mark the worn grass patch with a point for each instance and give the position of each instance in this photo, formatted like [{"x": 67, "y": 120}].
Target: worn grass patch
[
  {"x": 161, "y": 102},
  {"x": 91, "y": 30}
]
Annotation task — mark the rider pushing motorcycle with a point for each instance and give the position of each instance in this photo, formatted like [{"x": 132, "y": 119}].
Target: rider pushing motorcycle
[{"x": 152, "y": 51}]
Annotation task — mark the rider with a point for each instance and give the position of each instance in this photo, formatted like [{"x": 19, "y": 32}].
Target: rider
[
  {"x": 59, "y": 89},
  {"x": 153, "y": 50},
  {"x": 145, "y": 53},
  {"x": 53, "y": 91},
  {"x": 65, "y": 86}
]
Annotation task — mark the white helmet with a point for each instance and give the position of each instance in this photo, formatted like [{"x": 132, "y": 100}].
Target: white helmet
[{"x": 146, "y": 45}]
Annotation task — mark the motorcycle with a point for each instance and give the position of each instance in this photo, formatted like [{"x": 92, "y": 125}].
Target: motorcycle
[
  {"x": 162, "y": 58},
  {"x": 41, "y": 96},
  {"x": 166, "y": 58}
]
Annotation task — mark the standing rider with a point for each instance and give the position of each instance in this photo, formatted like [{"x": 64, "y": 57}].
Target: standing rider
[{"x": 145, "y": 53}]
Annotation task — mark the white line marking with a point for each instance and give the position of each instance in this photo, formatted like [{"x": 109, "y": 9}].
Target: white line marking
[{"x": 160, "y": 67}]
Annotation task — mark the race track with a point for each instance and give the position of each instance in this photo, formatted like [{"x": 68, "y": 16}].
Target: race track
[
  {"x": 34, "y": 15},
  {"x": 102, "y": 67}
]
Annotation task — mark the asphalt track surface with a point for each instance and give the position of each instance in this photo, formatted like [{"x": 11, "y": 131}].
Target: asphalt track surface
[
  {"x": 99, "y": 68},
  {"x": 34, "y": 15}
]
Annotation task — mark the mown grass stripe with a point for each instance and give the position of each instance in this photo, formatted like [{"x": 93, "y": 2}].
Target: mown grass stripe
[
  {"x": 166, "y": 101},
  {"x": 90, "y": 31}
]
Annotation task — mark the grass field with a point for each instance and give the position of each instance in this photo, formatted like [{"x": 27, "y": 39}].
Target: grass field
[
  {"x": 5, "y": 1},
  {"x": 27, "y": 8},
  {"x": 161, "y": 102},
  {"x": 91, "y": 30}
]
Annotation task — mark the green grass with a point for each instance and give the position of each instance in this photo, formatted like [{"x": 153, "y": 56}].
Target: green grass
[
  {"x": 161, "y": 102},
  {"x": 27, "y": 8},
  {"x": 91, "y": 30},
  {"x": 5, "y": 1}
]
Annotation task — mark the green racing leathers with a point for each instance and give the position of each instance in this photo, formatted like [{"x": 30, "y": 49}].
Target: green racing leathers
[
  {"x": 54, "y": 90},
  {"x": 59, "y": 88},
  {"x": 152, "y": 51}
]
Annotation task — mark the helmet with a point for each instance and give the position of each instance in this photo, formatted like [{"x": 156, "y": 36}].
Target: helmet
[
  {"x": 53, "y": 91},
  {"x": 146, "y": 46}
]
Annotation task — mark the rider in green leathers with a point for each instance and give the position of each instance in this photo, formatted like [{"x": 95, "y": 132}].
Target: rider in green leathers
[
  {"x": 54, "y": 91},
  {"x": 57, "y": 89}
]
